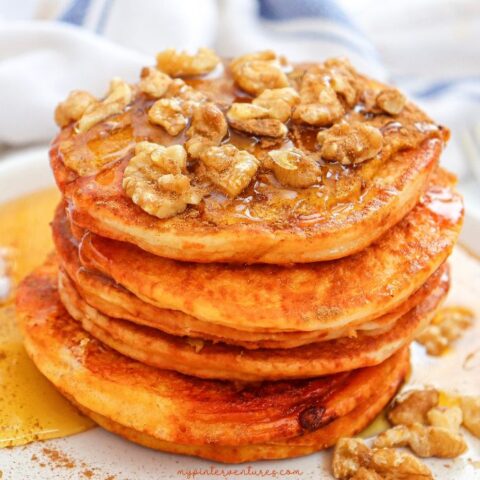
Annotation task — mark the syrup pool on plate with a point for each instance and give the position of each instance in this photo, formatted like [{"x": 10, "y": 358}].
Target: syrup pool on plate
[{"x": 30, "y": 407}]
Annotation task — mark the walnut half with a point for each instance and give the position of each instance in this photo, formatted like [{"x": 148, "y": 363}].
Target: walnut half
[
  {"x": 413, "y": 406},
  {"x": 471, "y": 413},
  {"x": 229, "y": 168},
  {"x": 294, "y": 168},
  {"x": 119, "y": 96},
  {"x": 353, "y": 459},
  {"x": 350, "y": 143},
  {"x": 179, "y": 64},
  {"x": 257, "y": 72},
  {"x": 73, "y": 107},
  {"x": 425, "y": 441},
  {"x": 155, "y": 179},
  {"x": 447, "y": 326}
]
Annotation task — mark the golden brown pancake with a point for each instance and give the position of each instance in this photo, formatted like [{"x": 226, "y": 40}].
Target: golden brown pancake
[
  {"x": 319, "y": 296},
  {"x": 176, "y": 408},
  {"x": 115, "y": 301},
  {"x": 348, "y": 208},
  {"x": 205, "y": 359},
  {"x": 324, "y": 437}
]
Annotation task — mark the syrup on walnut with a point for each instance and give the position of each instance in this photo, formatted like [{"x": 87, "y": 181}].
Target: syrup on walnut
[
  {"x": 257, "y": 72},
  {"x": 154, "y": 83},
  {"x": 119, "y": 95},
  {"x": 349, "y": 143},
  {"x": 266, "y": 115},
  {"x": 229, "y": 168},
  {"x": 156, "y": 180},
  {"x": 294, "y": 168},
  {"x": 87, "y": 111},
  {"x": 208, "y": 129}
]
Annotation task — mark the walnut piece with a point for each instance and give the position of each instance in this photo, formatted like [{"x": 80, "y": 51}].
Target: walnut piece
[
  {"x": 342, "y": 79},
  {"x": 257, "y": 72},
  {"x": 366, "y": 474},
  {"x": 169, "y": 113},
  {"x": 73, "y": 107},
  {"x": 350, "y": 143},
  {"x": 278, "y": 102},
  {"x": 293, "y": 168},
  {"x": 179, "y": 64},
  {"x": 413, "y": 406},
  {"x": 154, "y": 83},
  {"x": 349, "y": 455},
  {"x": 155, "y": 179},
  {"x": 391, "y": 101},
  {"x": 208, "y": 128},
  {"x": 119, "y": 96},
  {"x": 229, "y": 168},
  {"x": 353, "y": 459},
  {"x": 256, "y": 120},
  {"x": 424, "y": 441},
  {"x": 447, "y": 326},
  {"x": 471, "y": 413},
  {"x": 445, "y": 417},
  {"x": 319, "y": 103}
]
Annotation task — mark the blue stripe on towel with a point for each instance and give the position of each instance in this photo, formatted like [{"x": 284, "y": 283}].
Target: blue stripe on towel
[
  {"x": 107, "y": 6},
  {"x": 294, "y": 9},
  {"x": 440, "y": 87},
  {"x": 76, "y": 12}
]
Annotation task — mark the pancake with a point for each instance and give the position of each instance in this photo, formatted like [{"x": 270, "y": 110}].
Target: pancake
[
  {"x": 183, "y": 409},
  {"x": 206, "y": 360},
  {"x": 114, "y": 301},
  {"x": 345, "y": 210},
  {"x": 324, "y": 437},
  {"x": 319, "y": 296}
]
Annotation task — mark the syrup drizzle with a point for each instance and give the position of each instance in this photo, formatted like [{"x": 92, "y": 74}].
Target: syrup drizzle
[{"x": 30, "y": 407}]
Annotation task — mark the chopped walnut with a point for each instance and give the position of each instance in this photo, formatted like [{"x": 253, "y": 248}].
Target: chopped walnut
[
  {"x": 256, "y": 120},
  {"x": 445, "y": 417},
  {"x": 424, "y": 441},
  {"x": 447, "y": 326},
  {"x": 119, "y": 96},
  {"x": 350, "y": 143},
  {"x": 155, "y": 179},
  {"x": 294, "y": 168},
  {"x": 73, "y": 107},
  {"x": 391, "y": 101},
  {"x": 208, "y": 128},
  {"x": 257, "y": 72},
  {"x": 366, "y": 474},
  {"x": 391, "y": 463},
  {"x": 154, "y": 83},
  {"x": 169, "y": 113},
  {"x": 228, "y": 168},
  {"x": 471, "y": 413},
  {"x": 413, "y": 407},
  {"x": 349, "y": 455},
  {"x": 179, "y": 64},
  {"x": 278, "y": 102},
  {"x": 353, "y": 459},
  {"x": 319, "y": 103},
  {"x": 342, "y": 79}
]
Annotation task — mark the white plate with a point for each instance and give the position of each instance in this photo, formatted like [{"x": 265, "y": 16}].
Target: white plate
[{"x": 100, "y": 455}]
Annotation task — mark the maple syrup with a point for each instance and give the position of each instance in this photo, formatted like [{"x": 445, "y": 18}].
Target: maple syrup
[{"x": 30, "y": 407}]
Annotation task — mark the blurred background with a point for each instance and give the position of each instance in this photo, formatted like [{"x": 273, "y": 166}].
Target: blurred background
[{"x": 428, "y": 48}]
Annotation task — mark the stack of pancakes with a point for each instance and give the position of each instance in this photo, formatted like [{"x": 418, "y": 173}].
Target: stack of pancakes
[{"x": 260, "y": 326}]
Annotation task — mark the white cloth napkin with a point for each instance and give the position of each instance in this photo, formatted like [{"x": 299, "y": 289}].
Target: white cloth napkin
[{"x": 49, "y": 47}]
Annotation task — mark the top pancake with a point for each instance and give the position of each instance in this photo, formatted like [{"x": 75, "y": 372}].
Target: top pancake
[{"x": 345, "y": 210}]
